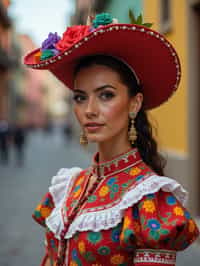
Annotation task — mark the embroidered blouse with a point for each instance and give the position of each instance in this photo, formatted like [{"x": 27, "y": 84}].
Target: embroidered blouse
[{"x": 134, "y": 216}]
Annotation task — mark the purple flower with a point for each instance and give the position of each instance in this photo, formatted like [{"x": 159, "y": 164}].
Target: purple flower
[{"x": 51, "y": 41}]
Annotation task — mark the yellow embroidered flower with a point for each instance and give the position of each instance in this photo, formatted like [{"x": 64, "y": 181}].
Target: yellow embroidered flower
[
  {"x": 73, "y": 263},
  {"x": 135, "y": 171},
  {"x": 81, "y": 247},
  {"x": 117, "y": 259},
  {"x": 77, "y": 193},
  {"x": 178, "y": 211},
  {"x": 126, "y": 222},
  {"x": 38, "y": 207},
  {"x": 80, "y": 180},
  {"x": 136, "y": 227},
  {"x": 149, "y": 206},
  {"x": 104, "y": 191},
  {"x": 191, "y": 226},
  {"x": 45, "y": 212}
]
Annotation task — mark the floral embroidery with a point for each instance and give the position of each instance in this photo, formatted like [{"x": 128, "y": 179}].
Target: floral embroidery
[
  {"x": 77, "y": 191},
  {"x": 104, "y": 191},
  {"x": 127, "y": 222},
  {"x": 117, "y": 259},
  {"x": 104, "y": 250},
  {"x": 192, "y": 226},
  {"x": 94, "y": 237},
  {"x": 80, "y": 180},
  {"x": 149, "y": 206},
  {"x": 154, "y": 224},
  {"x": 178, "y": 211},
  {"x": 115, "y": 233},
  {"x": 73, "y": 263},
  {"x": 92, "y": 198},
  {"x": 171, "y": 200},
  {"x": 81, "y": 247},
  {"x": 135, "y": 171},
  {"x": 111, "y": 181},
  {"x": 89, "y": 256}
]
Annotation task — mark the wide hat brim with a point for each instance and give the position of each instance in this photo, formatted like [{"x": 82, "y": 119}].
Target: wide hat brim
[{"x": 147, "y": 52}]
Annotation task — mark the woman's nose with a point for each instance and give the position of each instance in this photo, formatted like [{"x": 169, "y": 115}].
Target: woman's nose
[{"x": 92, "y": 108}]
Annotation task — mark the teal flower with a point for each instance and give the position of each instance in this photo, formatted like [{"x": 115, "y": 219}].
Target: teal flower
[
  {"x": 114, "y": 188},
  {"x": 102, "y": 19},
  {"x": 48, "y": 53},
  {"x": 92, "y": 198},
  {"x": 104, "y": 250},
  {"x": 94, "y": 237}
]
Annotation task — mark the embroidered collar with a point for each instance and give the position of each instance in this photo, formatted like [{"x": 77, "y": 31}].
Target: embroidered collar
[{"x": 117, "y": 164}]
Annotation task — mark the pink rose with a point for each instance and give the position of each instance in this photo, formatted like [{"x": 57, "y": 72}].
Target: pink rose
[{"x": 72, "y": 35}]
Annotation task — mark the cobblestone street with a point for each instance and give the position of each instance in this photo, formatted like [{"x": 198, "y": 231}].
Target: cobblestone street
[{"x": 22, "y": 188}]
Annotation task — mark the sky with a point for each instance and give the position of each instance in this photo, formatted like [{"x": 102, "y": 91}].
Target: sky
[{"x": 39, "y": 17}]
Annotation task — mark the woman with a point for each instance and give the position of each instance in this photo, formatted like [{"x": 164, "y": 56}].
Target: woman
[{"x": 121, "y": 210}]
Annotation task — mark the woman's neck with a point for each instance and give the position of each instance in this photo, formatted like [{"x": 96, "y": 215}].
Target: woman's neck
[{"x": 109, "y": 149}]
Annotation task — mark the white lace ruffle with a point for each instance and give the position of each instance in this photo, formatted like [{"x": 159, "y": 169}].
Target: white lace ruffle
[
  {"x": 108, "y": 218},
  {"x": 59, "y": 188}
]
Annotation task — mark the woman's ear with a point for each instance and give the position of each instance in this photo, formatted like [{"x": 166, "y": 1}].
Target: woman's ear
[{"x": 136, "y": 103}]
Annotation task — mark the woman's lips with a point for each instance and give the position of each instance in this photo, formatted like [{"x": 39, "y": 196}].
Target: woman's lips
[{"x": 91, "y": 127}]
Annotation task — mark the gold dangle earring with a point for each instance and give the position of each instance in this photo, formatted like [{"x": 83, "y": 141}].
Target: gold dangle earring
[
  {"x": 132, "y": 134},
  {"x": 83, "y": 139}
]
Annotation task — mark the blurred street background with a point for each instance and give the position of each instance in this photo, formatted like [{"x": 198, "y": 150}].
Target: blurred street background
[{"x": 38, "y": 132}]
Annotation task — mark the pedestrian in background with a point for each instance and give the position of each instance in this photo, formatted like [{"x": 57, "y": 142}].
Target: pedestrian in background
[
  {"x": 19, "y": 142},
  {"x": 4, "y": 141},
  {"x": 122, "y": 209}
]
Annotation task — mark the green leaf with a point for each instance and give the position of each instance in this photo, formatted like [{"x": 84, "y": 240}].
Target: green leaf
[
  {"x": 131, "y": 17},
  {"x": 148, "y": 25},
  {"x": 164, "y": 231},
  {"x": 139, "y": 20},
  {"x": 154, "y": 234}
]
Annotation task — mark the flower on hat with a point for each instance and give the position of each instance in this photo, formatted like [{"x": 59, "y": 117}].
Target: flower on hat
[
  {"x": 50, "y": 42},
  {"x": 48, "y": 49},
  {"x": 72, "y": 35},
  {"x": 48, "y": 53},
  {"x": 102, "y": 19}
]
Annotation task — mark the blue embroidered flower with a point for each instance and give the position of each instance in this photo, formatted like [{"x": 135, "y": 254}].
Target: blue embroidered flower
[
  {"x": 187, "y": 215},
  {"x": 74, "y": 254},
  {"x": 115, "y": 234},
  {"x": 171, "y": 200},
  {"x": 111, "y": 181},
  {"x": 154, "y": 224},
  {"x": 52, "y": 242},
  {"x": 47, "y": 201}
]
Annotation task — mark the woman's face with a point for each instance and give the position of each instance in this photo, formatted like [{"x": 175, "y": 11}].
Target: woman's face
[{"x": 101, "y": 103}]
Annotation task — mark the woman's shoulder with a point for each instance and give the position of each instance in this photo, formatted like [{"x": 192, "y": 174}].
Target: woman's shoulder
[{"x": 60, "y": 185}]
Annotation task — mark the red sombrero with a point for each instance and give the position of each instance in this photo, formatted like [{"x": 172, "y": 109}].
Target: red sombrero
[{"x": 148, "y": 54}]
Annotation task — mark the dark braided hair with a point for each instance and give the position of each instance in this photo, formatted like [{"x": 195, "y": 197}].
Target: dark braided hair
[{"x": 145, "y": 142}]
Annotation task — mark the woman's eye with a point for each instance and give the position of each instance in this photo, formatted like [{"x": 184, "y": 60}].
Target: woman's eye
[
  {"x": 106, "y": 95},
  {"x": 79, "y": 98}
]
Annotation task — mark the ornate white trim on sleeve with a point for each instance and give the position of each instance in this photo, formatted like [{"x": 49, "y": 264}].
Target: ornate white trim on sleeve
[
  {"x": 154, "y": 257},
  {"x": 60, "y": 185},
  {"x": 104, "y": 219}
]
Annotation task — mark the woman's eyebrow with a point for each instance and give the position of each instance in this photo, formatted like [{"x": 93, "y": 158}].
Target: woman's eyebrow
[{"x": 97, "y": 89}]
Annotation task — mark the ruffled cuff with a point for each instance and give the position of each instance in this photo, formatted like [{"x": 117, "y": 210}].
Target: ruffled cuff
[
  {"x": 60, "y": 185},
  {"x": 150, "y": 257}
]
